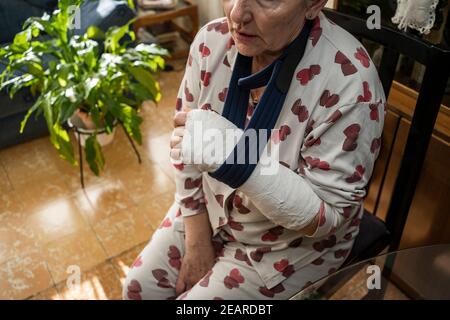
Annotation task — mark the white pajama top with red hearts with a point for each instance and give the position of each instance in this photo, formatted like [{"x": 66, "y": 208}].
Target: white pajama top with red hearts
[{"x": 329, "y": 134}]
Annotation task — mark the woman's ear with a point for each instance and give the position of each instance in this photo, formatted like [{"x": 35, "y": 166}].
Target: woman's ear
[{"x": 313, "y": 8}]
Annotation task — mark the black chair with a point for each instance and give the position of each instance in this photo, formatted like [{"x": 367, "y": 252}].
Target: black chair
[{"x": 376, "y": 235}]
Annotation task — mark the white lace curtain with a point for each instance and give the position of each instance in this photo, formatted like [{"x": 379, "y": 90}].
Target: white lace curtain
[{"x": 416, "y": 14}]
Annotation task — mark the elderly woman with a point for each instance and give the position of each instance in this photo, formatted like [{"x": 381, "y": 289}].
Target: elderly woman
[{"x": 235, "y": 231}]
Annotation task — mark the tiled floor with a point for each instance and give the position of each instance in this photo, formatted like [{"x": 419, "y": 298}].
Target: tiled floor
[{"x": 49, "y": 225}]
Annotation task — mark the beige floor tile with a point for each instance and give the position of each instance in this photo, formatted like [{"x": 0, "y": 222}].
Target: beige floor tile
[
  {"x": 24, "y": 276},
  {"x": 49, "y": 294},
  {"x": 56, "y": 220},
  {"x": 81, "y": 249},
  {"x": 103, "y": 200},
  {"x": 32, "y": 161},
  {"x": 123, "y": 262},
  {"x": 5, "y": 184},
  {"x": 100, "y": 283},
  {"x": 157, "y": 150},
  {"x": 16, "y": 236},
  {"x": 123, "y": 231},
  {"x": 41, "y": 192},
  {"x": 155, "y": 208},
  {"x": 145, "y": 180}
]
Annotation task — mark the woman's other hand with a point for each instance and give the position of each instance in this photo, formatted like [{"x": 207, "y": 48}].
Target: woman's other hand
[{"x": 197, "y": 261}]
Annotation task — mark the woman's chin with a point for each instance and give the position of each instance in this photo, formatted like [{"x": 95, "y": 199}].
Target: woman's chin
[{"x": 246, "y": 50}]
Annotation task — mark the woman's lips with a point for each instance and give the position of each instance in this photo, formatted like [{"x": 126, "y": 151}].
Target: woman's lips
[{"x": 244, "y": 37}]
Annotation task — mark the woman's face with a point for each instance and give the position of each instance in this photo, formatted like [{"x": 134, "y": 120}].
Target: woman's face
[{"x": 264, "y": 26}]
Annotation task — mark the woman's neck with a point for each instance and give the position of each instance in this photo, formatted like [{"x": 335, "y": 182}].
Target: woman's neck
[{"x": 264, "y": 59}]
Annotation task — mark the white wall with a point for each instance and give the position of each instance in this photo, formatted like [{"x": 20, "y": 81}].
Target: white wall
[{"x": 209, "y": 10}]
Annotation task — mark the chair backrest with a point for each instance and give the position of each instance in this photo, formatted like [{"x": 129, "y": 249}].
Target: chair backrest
[{"x": 437, "y": 63}]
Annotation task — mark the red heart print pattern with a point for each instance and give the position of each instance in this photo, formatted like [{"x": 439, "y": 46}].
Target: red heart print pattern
[
  {"x": 178, "y": 166},
  {"x": 374, "y": 112},
  {"x": 205, "y": 77},
  {"x": 367, "y": 94},
  {"x": 348, "y": 237},
  {"x": 281, "y": 134},
  {"x": 190, "y": 203},
  {"x": 219, "y": 199},
  {"x": 242, "y": 256},
  {"x": 230, "y": 43},
  {"x": 174, "y": 257},
  {"x": 272, "y": 234},
  {"x": 270, "y": 293},
  {"x": 189, "y": 183},
  {"x": 237, "y": 202},
  {"x": 307, "y": 74},
  {"x": 134, "y": 290},
  {"x": 319, "y": 261},
  {"x": 362, "y": 56},
  {"x": 325, "y": 244},
  {"x": 233, "y": 279},
  {"x": 355, "y": 222},
  {"x": 137, "y": 262},
  {"x": 179, "y": 104},
  {"x": 347, "y": 211},
  {"x": 223, "y": 94},
  {"x": 204, "y": 50},
  {"x": 188, "y": 95},
  {"x": 311, "y": 141},
  {"x": 328, "y": 100},
  {"x": 206, "y": 106},
  {"x": 178, "y": 214},
  {"x": 347, "y": 66},
  {"x": 258, "y": 254},
  {"x": 334, "y": 117},
  {"x": 281, "y": 265},
  {"x": 352, "y": 134},
  {"x": 161, "y": 276},
  {"x": 226, "y": 62},
  {"x": 322, "y": 218},
  {"x": 357, "y": 175},
  {"x": 221, "y": 27},
  {"x": 296, "y": 243},
  {"x": 341, "y": 253},
  {"x": 235, "y": 225},
  {"x": 205, "y": 281},
  {"x": 317, "y": 163},
  {"x": 300, "y": 111},
  {"x": 166, "y": 223},
  {"x": 316, "y": 32},
  {"x": 376, "y": 144}
]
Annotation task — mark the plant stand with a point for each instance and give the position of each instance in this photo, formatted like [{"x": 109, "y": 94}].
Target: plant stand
[{"x": 80, "y": 150}]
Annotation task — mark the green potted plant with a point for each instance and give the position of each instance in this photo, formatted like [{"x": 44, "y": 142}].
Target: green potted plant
[{"x": 93, "y": 81}]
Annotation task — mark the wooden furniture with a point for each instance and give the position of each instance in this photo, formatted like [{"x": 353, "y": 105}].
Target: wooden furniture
[{"x": 184, "y": 9}]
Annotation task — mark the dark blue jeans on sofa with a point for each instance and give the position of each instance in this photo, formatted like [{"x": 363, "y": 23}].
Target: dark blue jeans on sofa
[{"x": 13, "y": 13}]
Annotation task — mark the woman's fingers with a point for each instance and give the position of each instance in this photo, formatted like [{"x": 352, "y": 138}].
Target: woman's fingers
[
  {"x": 180, "y": 117},
  {"x": 175, "y": 142},
  {"x": 175, "y": 154},
  {"x": 180, "y": 286}
]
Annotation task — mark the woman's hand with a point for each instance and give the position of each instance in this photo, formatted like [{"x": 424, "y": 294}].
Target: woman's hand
[
  {"x": 197, "y": 261},
  {"x": 177, "y": 135}
]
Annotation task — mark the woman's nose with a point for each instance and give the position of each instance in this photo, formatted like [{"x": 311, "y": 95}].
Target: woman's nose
[{"x": 240, "y": 12}]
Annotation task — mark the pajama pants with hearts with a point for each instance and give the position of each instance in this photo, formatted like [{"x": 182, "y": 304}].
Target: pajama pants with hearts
[{"x": 154, "y": 273}]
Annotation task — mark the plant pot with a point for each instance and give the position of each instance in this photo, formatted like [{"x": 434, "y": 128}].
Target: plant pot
[{"x": 85, "y": 127}]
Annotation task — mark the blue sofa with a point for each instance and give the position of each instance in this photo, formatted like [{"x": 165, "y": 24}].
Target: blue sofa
[{"x": 102, "y": 13}]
